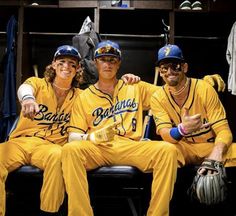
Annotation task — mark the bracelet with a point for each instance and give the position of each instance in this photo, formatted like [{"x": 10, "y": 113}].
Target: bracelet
[
  {"x": 174, "y": 133},
  {"x": 182, "y": 130}
]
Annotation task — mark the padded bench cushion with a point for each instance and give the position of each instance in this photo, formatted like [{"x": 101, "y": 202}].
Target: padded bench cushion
[
  {"x": 26, "y": 171},
  {"x": 124, "y": 172},
  {"x": 128, "y": 172}
]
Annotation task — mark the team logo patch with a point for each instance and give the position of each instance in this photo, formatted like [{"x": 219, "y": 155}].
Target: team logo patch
[
  {"x": 100, "y": 113},
  {"x": 55, "y": 122},
  {"x": 167, "y": 51}
]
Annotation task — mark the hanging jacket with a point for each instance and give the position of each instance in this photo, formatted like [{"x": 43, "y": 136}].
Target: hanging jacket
[
  {"x": 9, "y": 108},
  {"x": 86, "y": 43}
]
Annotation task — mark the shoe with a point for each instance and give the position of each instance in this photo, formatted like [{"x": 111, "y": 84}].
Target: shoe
[
  {"x": 197, "y": 5},
  {"x": 186, "y": 5},
  {"x": 116, "y": 3}
]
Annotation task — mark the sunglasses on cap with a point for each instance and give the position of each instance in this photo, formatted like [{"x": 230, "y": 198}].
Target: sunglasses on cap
[
  {"x": 173, "y": 66},
  {"x": 67, "y": 51},
  {"x": 107, "y": 51}
]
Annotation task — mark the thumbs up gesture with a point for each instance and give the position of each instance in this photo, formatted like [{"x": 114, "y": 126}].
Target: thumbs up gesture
[{"x": 192, "y": 123}]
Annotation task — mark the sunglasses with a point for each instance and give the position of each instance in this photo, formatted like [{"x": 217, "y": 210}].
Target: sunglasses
[
  {"x": 107, "y": 50},
  {"x": 173, "y": 66}
]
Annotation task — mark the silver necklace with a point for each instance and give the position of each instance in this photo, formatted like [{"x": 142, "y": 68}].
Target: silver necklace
[
  {"x": 65, "y": 89},
  {"x": 182, "y": 89}
]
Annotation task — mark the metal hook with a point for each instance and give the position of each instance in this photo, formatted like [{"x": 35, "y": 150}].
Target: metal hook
[
  {"x": 166, "y": 27},
  {"x": 166, "y": 31}
]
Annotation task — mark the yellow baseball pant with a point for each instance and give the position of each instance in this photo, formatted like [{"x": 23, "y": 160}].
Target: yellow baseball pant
[
  {"x": 195, "y": 153},
  {"x": 158, "y": 157},
  {"x": 42, "y": 154}
]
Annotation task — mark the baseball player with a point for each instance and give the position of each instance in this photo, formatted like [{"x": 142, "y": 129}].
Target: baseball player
[
  {"x": 111, "y": 102},
  {"x": 188, "y": 113},
  {"x": 41, "y": 130}
]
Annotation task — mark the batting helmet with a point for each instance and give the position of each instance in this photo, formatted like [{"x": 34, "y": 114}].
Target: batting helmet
[
  {"x": 107, "y": 48},
  {"x": 169, "y": 52},
  {"x": 67, "y": 50}
]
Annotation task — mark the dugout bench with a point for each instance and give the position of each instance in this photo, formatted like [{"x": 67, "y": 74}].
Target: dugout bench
[
  {"x": 125, "y": 185},
  {"x": 116, "y": 191}
]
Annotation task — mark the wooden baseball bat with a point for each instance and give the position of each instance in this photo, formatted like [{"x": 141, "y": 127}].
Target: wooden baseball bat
[
  {"x": 35, "y": 67},
  {"x": 147, "y": 119}
]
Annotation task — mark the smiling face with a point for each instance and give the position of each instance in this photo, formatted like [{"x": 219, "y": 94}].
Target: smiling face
[
  {"x": 65, "y": 68},
  {"x": 173, "y": 72}
]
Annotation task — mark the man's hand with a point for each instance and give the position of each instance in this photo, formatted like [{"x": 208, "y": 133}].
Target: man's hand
[
  {"x": 192, "y": 123},
  {"x": 104, "y": 134},
  {"x": 215, "y": 80},
  {"x": 29, "y": 108},
  {"x": 130, "y": 78}
]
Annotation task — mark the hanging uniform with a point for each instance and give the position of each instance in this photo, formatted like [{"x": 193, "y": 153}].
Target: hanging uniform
[
  {"x": 231, "y": 59},
  {"x": 9, "y": 108}
]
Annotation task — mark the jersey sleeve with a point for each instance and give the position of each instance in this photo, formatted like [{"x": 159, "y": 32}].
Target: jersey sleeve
[
  {"x": 147, "y": 91},
  {"x": 78, "y": 122},
  {"x": 160, "y": 116},
  {"x": 215, "y": 110},
  {"x": 35, "y": 82}
]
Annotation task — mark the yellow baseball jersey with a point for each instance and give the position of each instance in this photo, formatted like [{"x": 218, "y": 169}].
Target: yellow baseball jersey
[
  {"x": 94, "y": 109},
  {"x": 51, "y": 122},
  {"x": 202, "y": 99}
]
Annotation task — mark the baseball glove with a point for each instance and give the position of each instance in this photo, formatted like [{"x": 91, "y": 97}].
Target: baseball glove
[
  {"x": 104, "y": 134},
  {"x": 209, "y": 187}
]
